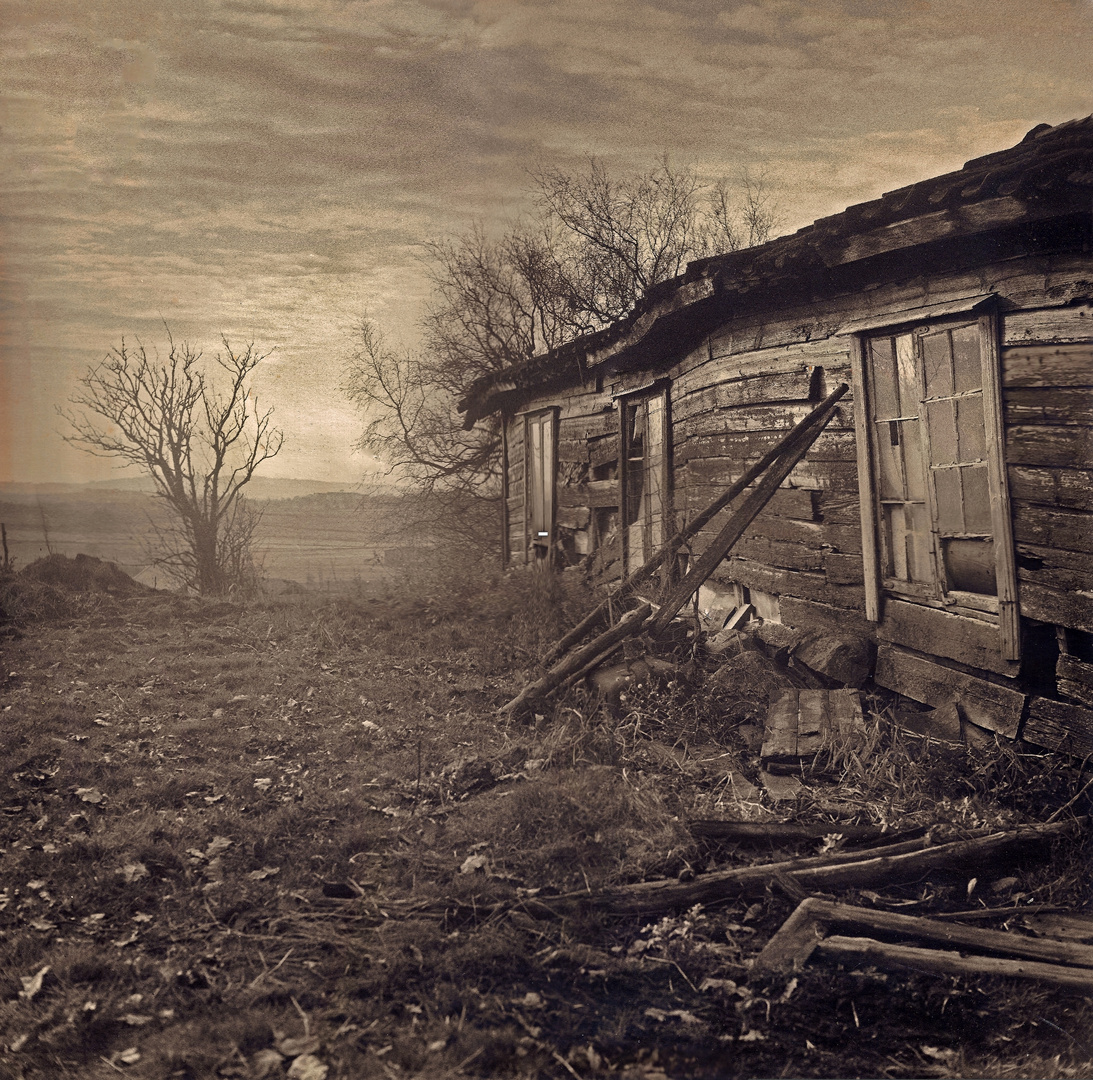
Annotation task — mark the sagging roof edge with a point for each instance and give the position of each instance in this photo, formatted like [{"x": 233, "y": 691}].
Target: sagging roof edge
[{"x": 1048, "y": 173}]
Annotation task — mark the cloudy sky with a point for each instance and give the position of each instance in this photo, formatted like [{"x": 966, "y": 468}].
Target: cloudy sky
[{"x": 268, "y": 169}]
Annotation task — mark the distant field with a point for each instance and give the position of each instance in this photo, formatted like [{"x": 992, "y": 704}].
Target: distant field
[{"x": 323, "y": 541}]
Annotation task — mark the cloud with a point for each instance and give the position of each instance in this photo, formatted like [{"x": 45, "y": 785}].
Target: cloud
[{"x": 269, "y": 169}]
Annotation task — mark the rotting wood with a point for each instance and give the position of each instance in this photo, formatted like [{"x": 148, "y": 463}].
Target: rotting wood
[
  {"x": 1040, "y": 366},
  {"x": 1068, "y": 489},
  {"x": 629, "y": 624},
  {"x": 803, "y": 723},
  {"x": 741, "y": 518},
  {"x": 1050, "y": 406},
  {"x": 1056, "y": 725},
  {"x": 942, "y": 633},
  {"x": 936, "y": 961},
  {"x": 1073, "y": 610},
  {"x": 1046, "y": 326},
  {"x": 1049, "y": 445},
  {"x": 693, "y": 527},
  {"x": 997, "y": 708},
  {"x": 1064, "y": 528},
  {"x": 793, "y": 949},
  {"x": 901, "y": 862}
]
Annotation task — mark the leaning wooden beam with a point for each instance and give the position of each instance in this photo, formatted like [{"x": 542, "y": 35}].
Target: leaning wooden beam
[
  {"x": 631, "y": 623},
  {"x": 792, "y": 945},
  {"x": 698, "y": 523},
  {"x": 740, "y": 520},
  {"x": 900, "y": 862},
  {"x": 859, "y": 951}
]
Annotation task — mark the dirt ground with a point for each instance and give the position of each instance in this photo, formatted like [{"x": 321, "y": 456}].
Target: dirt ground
[{"x": 291, "y": 837}]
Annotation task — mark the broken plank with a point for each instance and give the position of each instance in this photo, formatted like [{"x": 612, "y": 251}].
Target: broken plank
[
  {"x": 1056, "y": 725},
  {"x": 793, "y": 943},
  {"x": 780, "y": 788},
  {"x": 1000, "y": 942},
  {"x": 780, "y": 729},
  {"x": 867, "y": 951}
]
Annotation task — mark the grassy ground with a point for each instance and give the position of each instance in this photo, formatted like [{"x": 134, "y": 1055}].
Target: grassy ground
[{"x": 216, "y": 820}]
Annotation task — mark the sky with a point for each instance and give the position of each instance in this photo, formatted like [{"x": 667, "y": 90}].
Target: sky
[{"x": 270, "y": 170}]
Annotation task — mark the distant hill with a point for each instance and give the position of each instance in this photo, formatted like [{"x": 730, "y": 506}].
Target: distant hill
[{"x": 261, "y": 487}]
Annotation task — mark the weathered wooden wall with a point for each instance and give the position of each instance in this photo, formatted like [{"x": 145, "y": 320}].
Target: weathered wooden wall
[{"x": 755, "y": 376}]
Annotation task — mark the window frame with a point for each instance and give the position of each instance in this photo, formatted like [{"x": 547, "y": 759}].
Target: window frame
[
  {"x": 1002, "y": 609},
  {"x": 540, "y": 547},
  {"x": 626, "y": 402}
]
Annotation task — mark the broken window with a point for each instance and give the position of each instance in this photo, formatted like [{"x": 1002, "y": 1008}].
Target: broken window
[
  {"x": 540, "y": 465},
  {"x": 938, "y": 498},
  {"x": 644, "y": 461}
]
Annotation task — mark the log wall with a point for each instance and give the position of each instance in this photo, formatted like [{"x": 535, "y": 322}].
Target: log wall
[{"x": 756, "y": 376}]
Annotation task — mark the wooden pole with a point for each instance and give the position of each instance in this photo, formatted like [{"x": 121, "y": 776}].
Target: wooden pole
[
  {"x": 698, "y": 523},
  {"x": 631, "y": 623},
  {"x": 740, "y": 520}
]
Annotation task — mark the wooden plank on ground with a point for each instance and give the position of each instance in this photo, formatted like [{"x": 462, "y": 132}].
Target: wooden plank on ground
[
  {"x": 780, "y": 729},
  {"x": 858, "y": 951},
  {"x": 781, "y": 788},
  {"x": 997, "y": 708}
]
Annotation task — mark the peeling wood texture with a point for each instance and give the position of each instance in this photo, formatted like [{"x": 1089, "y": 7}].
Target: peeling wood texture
[
  {"x": 997, "y": 708},
  {"x": 802, "y": 724},
  {"x": 1073, "y": 610},
  {"x": 941, "y": 633},
  {"x": 1053, "y": 325},
  {"x": 1062, "y": 446},
  {"x": 1068, "y": 489},
  {"x": 1047, "y": 367},
  {"x": 1056, "y": 725}
]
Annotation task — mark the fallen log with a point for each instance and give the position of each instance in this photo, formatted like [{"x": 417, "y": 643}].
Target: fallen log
[
  {"x": 901, "y": 862},
  {"x": 936, "y": 961},
  {"x": 631, "y": 623},
  {"x": 791, "y": 947},
  {"x": 818, "y": 415}
]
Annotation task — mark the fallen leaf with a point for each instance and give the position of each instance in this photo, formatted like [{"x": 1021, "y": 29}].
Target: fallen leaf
[
  {"x": 264, "y": 783},
  {"x": 90, "y": 795},
  {"x": 265, "y": 1062},
  {"x": 437, "y": 1044},
  {"x": 37, "y": 883},
  {"x": 135, "y": 1020},
  {"x": 122, "y": 942},
  {"x": 265, "y": 872},
  {"x": 217, "y": 845},
  {"x": 101, "y": 722},
  {"x": 134, "y": 871},
  {"x": 307, "y": 1067},
  {"x": 752, "y": 1036},
  {"x": 213, "y": 799},
  {"x": 656, "y": 1014},
  {"x": 18, "y": 1043},
  {"x": 306, "y": 1044},
  {"x": 130, "y": 1056},
  {"x": 142, "y": 918},
  {"x": 43, "y": 924},
  {"x": 32, "y": 983},
  {"x": 532, "y": 1000},
  {"x": 473, "y": 863}
]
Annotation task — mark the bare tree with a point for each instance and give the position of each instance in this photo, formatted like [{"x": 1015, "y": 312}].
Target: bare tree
[
  {"x": 594, "y": 244},
  {"x": 200, "y": 445}
]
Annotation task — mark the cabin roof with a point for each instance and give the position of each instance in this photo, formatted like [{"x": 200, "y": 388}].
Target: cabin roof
[{"x": 1048, "y": 173}]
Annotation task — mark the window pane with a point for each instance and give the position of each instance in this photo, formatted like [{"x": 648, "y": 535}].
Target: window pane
[
  {"x": 909, "y": 397},
  {"x": 896, "y": 536},
  {"x": 913, "y": 466},
  {"x": 970, "y": 566},
  {"x": 918, "y": 542},
  {"x": 936, "y": 364},
  {"x": 939, "y": 415},
  {"x": 889, "y": 478},
  {"x": 966, "y": 358},
  {"x": 950, "y": 517},
  {"x": 973, "y": 443},
  {"x": 977, "y": 499},
  {"x": 882, "y": 364}
]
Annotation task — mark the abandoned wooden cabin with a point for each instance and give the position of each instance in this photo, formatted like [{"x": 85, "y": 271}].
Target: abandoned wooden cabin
[{"x": 946, "y": 513}]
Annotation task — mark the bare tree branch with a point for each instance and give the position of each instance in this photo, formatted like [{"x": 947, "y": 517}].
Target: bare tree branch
[{"x": 200, "y": 446}]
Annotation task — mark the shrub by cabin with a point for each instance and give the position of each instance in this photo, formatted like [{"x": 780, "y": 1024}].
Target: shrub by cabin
[{"x": 946, "y": 513}]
